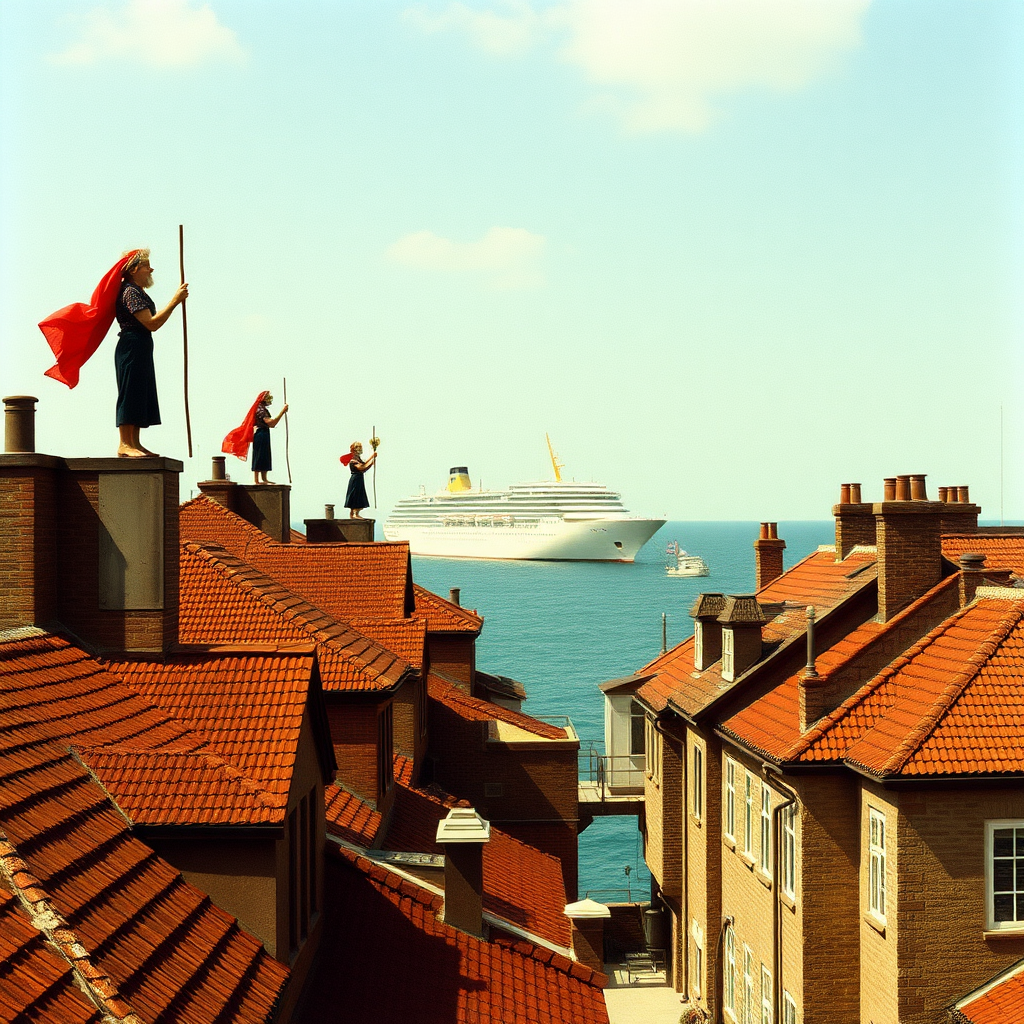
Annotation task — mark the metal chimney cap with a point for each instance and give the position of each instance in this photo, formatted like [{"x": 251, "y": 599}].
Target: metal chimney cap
[
  {"x": 586, "y": 909},
  {"x": 463, "y": 825}
]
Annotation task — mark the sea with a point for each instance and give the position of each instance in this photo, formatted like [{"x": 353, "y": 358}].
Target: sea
[{"x": 562, "y": 628}]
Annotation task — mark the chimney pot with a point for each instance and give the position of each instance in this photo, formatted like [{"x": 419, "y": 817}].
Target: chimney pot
[
  {"x": 454, "y": 595},
  {"x": 764, "y": 531},
  {"x": 844, "y": 494},
  {"x": 328, "y": 511},
  {"x": 218, "y": 472},
  {"x": 903, "y": 488},
  {"x": 963, "y": 494},
  {"x": 943, "y": 494},
  {"x": 854, "y": 494},
  {"x": 20, "y": 423},
  {"x": 889, "y": 489},
  {"x": 917, "y": 488},
  {"x": 773, "y": 531}
]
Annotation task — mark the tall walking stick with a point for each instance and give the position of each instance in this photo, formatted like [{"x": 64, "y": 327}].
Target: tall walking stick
[
  {"x": 287, "y": 461},
  {"x": 374, "y": 444},
  {"x": 184, "y": 332}
]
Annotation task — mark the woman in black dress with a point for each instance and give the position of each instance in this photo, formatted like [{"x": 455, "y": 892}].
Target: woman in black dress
[
  {"x": 355, "y": 497},
  {"x": 137, "y": 404},
  {"x": 262, "y": 422}
]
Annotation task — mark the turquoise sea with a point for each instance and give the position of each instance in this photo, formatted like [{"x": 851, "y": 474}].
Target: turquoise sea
[{"x": 561, "y": 628}]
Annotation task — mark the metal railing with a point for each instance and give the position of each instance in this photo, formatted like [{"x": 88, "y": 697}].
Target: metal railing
[
  {"x": 642, "y": 896},
  {"x": 613, "y": 774}
]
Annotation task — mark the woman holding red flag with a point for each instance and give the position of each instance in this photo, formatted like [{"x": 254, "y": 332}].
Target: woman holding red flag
[
  {"x": 76, "y": 331},
  {"x": 255, "y": 430}
]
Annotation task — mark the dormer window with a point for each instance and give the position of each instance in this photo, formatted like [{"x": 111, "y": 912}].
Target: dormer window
[{"x": 728, "y": 655}]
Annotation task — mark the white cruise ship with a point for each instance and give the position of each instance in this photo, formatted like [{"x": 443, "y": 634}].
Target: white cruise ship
[{"x": 546, "y": 520}]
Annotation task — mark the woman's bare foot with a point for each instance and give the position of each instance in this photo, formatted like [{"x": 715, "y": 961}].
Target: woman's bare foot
[
  {"x": 126, "y": 451},
  {"x": 148, "y": 453}
]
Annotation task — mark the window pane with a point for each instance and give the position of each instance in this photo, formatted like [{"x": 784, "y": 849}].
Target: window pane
[
  {"x": 1002, "y": 875},
  {"x": 636, "y": 731},
  {"x": 1020, "y": 875},
  {"x": 1003, "y": 908},
  {"x": 1020, "y": 841},
  {"x": 1002, "y": 842}
]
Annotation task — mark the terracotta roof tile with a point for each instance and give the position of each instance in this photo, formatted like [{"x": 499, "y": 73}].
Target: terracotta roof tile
[
  {"x": 406, "y": 637},
  {"x": 144, "y": 940},
  {"x": 1002, "y": 551},
  {"x": 1000, "y": 1002},
  {"x": 225, "y": 599},
  {"x": 350, "y": 818},
  {"x": 477, "y": 710},
  {"x": 470, "y": 980},
  {"x": 818, "y": 579},
  {"x": 444, "y": 616},
  {"x": 403, "y": 769}
]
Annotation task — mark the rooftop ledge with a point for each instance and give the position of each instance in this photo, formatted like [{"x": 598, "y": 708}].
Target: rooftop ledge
[{"x": 512, "y": 735}]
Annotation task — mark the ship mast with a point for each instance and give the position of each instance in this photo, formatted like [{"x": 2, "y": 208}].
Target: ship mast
[{"x": 559, "y": 466}]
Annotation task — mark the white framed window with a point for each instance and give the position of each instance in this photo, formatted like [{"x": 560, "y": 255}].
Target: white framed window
[
  {"x": 766, "y": 996},
  {"x": 729, "y": 970},
  {"x": 789, "y": 850},
  {"x": 788, "y": 1008},
  {"x": 748, "y": 815},
  {"x": 698, "y": 644},
  {"x": 730, "y": 798},
  {"x": 652, "y": 750},
  {"x": 698, "y": 782},
  {"x": 749, "y": 1008},
  {"x": 728, "y": 652},
  {"x": 697, "y": 964},
  {"x": 766, "y": 829},
  {"x": 876, "y": 862},
  {"x": 1004, "y": 874}
]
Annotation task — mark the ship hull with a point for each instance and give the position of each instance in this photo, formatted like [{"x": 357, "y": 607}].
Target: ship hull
[{"x": 596, "y": 540}]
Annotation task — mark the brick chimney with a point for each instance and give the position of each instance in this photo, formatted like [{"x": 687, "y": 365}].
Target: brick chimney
[
  {"x": 707, "y": 630},
  {"x": 768, "y": 550},
  {"x": 741, "y": 621},
  {"x": 463, "y": 834},
  {"x": 907, "y": 531},
  {"x": 92, "y": 543},
  {"x": 588, "y": 918},
  {"x": 959, "y": 514},
  {"x": 855, "y": 521},
  {"x": 220, "y": 487}
]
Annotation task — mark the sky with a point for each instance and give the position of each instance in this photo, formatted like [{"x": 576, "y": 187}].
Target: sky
[{"x": 729, "y": 254}]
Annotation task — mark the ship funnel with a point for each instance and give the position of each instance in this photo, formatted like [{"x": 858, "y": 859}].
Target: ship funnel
[{"x": 458, "y": 479}]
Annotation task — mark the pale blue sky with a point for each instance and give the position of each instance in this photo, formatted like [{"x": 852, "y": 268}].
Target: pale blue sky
[{"x": 729, "y": 253}]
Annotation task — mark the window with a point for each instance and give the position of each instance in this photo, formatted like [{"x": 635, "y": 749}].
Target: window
[
  {"x": 698, "y": 960},
  {"x": 788, "y": 1008},
  {"x": 766, "y": 829},
  {"x": 748, "y": 985},
  {"x": 698, "y": 644},
  {"x": 766, "y": 995},
  {"x": 729, "y": 970},
  {"x": 652, "y": 756},
  {"x": 637, "y": 728},
  {"x": 698, "y": 782},
  {"x": 423, "y": 706},
  {"x": 730, "y": 798},
  {"x": 748, "y": 816},
  {"x": 728, "y": 649},
  {"x": 876, "y": 863},
  {"x": 1004, "y": 874},
  {"x": 789, "y": 850},
  {"x": 385, "y": 753}
]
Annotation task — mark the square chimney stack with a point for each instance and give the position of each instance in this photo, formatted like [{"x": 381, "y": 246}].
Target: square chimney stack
[
  {"x": 768, "y": 550},
  {"x": 462, "y": 834}
]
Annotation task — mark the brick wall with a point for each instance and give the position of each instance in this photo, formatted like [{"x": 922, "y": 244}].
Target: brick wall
[
  {"x": 410, "y": 738},
  {"x": 453, "y": 657},
  {"x": 354, "y": 735},
  {"x": 909, "y": 552},
  {"x": 855, "y": 524},
  {"x": 767, "y": 561}
]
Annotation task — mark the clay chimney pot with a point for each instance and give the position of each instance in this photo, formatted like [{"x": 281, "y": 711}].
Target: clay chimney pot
[
  {"x": 917, "y": 488},
  {"x": 844, "y": 494},
  {"x": 963, "y": 495},
  {"x": 889, "y": 489},
  {"x": 854, "y": 494},
  {"x": 903, "y": 488}
]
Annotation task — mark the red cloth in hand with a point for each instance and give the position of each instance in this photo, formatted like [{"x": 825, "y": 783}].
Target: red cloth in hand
[
  {"x": 238, "y": 441},
  {"x": 75, "y": 331},
  {"x": 346, "y": 459}
]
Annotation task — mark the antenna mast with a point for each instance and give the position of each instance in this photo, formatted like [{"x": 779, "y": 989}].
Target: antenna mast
[{"x": 558, "y": 466}]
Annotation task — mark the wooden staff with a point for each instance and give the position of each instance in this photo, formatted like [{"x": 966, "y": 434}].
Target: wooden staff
[
  {"x": 184, "y": 332},
  {"x": 373, "y": 444},
  {"x": 287, "y": 461}
]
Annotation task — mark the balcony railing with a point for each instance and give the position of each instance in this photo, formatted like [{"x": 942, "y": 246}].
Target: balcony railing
[{"x": 611, "y": 775}]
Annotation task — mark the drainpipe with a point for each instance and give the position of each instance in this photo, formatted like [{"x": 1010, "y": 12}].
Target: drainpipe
[
  {"x": 777, "y": 887},
  {"x": 686, "y": 863}
]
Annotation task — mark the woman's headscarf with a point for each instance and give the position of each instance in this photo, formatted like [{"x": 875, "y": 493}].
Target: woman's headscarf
[{"x": 75, "y": 332}]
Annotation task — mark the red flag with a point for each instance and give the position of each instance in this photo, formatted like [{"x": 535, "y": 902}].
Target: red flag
[
  {"x": 238, "y": 441},
  {"x": 75, "y": 331},
  {"x": 346, "y": 459}
]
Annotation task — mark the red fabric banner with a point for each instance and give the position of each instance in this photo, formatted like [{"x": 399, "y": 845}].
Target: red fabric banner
[
  {"x": 346, "y": 459},
  {"x": 75, "y": 332},
  {"x": 238, "y": 441}
]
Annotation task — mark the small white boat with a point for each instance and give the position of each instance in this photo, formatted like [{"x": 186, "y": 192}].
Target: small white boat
[{"x": 683, "y": 564}]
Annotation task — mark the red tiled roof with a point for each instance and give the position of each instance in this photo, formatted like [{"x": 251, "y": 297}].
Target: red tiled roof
[
  {"x": 448, "y": 977},
  {"x": 818, "y": 579},
  {"x": 522, "y": 884},
  {"x": 403, "y": 769},
  {"x": 347, "y": 581},
  {"x": 224, "y": 597},
  {"x": 444, "y": 616},
  {"x": 477, "y": 710},
  {"x": 1000, "y": 1002},
  {"x": 1002, "y": 551},
  {"x": 349, "y": 817},
  {"x": 141, "y": 937},
  {"x": 249, "y": 706},
  {"x": 406, "y": 637}
]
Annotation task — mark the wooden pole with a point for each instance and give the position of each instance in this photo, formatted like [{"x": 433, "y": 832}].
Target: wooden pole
[
  {"x": 373, "y": 434},
  {"x": 184, "y": 333},
  {"x": 287, "y": 461}
]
